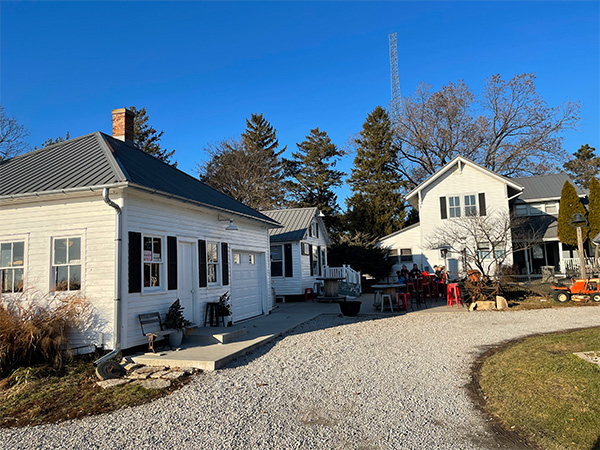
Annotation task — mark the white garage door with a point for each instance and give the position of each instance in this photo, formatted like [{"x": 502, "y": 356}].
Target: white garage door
[{"x": 246, "y": 285}]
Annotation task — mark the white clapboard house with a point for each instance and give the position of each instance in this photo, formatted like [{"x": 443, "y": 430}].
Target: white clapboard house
[
  {"x": 298, "y": 250},
  {"x": 95, "y": 216},
  {"x": 463, "y": 188}
]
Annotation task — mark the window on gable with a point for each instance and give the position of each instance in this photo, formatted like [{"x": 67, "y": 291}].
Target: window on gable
[
  {"x": 212, "y": 262},
  {"x": 11, "y": 266},
  {"x": 470, "y": 205},
  {"x": 66, "y": 264},
  {"x": 406, "y": 255},
  {"x": 536, "y": 209},
  {"x": 153, "y": 261},
  {"x": 276, "y": 260},
  {"x": 454, "y": 206}
]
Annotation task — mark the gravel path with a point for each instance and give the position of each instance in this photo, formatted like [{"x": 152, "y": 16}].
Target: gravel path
[{"x": 333, "y": 383}]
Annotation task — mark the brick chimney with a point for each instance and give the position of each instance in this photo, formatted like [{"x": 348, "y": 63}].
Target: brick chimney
[{"x": 122, "y": 124}]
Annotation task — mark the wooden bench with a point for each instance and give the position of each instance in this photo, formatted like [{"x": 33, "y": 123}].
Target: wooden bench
[{"x": 152, "y": 328}]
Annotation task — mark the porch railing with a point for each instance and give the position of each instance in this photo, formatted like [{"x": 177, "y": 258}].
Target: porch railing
[
  {"x": 572, "y": 264},
  {"x": 351, "y": 281}
]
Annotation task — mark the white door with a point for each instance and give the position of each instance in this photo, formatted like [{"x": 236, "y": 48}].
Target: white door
[
  {"x": 185, "y": 282},
  {"x": 246, "y": 285}
]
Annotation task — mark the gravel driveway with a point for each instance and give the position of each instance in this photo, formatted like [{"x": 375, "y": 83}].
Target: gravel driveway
[{"x": 332, "y": 383}]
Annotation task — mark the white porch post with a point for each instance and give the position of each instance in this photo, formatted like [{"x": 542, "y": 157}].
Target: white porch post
[{"x": 561, "y": 261}]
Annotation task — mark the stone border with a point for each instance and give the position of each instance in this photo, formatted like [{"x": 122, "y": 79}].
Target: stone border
[{"x": 149, "y": 377}]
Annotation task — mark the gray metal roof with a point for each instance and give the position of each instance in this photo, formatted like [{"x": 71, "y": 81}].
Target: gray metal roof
[
  {"x": 295, "y": 221},
  {"x": 98, "y": 160},
  {"x": 546, "y": 225},
  {"x": 545, "y": 186}
]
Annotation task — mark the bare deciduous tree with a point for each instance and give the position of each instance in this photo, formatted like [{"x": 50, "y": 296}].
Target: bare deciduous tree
[
  {"x": 511, "y": 130},
  {"x": 12, "y": 136},
  {"x": 486, "y": 242}
]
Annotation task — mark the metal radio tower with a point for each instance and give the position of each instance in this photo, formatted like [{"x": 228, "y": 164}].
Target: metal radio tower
[{"x": 396, "y": 101}]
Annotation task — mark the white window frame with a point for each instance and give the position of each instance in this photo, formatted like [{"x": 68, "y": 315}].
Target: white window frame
[
  {"x": 215, "y": 265},
  {"x": 484, "y": 250},
  {"x": 453, "y": 209},
  {"x": 281, "y": 261},
  {"x": 12, "y": 267},
  {"x": 405, "y": 255},
  {"x": 54, "y": 266},
  {"x": 152, "y": 261},
  {"x": 471, "y": 209}
]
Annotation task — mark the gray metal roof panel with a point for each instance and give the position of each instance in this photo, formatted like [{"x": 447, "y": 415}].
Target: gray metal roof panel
[
  {"x": 295, "y": 221},
  {"x": 545, "y": 186},
  {"x": 150, "y": 172},
  {"x": 78, "y": 162}
]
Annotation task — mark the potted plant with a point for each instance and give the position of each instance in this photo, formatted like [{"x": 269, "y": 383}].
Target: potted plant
[
  {"x": 224, "y": 309},
  {"x": 174, "y": 320},
  {"x": 350, "y": 308}
]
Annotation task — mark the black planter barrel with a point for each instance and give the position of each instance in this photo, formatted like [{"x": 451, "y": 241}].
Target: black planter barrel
[{"x": 350, "y": 308}]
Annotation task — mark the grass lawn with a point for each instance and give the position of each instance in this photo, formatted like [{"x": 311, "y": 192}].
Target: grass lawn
[
  {"x": 42, "y": 394},
  {"x": 539, "y": 389}
]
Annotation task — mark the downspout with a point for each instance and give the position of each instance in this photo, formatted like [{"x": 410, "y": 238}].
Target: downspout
[{"x": 117, "y": 299}]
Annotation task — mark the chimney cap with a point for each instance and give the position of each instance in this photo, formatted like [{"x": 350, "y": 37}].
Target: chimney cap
[{"x": 121, "y": 111}]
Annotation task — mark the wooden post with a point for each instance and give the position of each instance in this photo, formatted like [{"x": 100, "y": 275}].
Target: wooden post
[{"x": 581, "y": 257}]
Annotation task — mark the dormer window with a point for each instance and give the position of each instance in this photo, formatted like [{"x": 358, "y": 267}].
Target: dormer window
[{"x": 313, "y": 230}]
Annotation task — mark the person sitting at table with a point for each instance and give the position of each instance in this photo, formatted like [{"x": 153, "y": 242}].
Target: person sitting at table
[
  {"x": 404, "y": 272},
  {"x": 438, "y": 272},
  {"x": 426, "y": 272},
  {"x": 415, "y": 273},
  {"x": 401, "y": 278}
]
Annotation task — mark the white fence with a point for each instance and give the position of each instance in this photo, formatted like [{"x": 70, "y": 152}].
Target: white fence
[
  {"x": 349, "y": 276},
  {"x": 572, "y": 264}
]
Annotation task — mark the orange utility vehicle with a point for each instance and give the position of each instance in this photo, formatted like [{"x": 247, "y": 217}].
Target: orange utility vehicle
[{"x": 581, "y": 290}]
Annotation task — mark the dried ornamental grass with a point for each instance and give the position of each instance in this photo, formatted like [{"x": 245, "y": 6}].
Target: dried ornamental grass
[{"x": 35, "y": 329}]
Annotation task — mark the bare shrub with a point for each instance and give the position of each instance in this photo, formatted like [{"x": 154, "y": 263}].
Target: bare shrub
[{"x": 35, "y": 329}]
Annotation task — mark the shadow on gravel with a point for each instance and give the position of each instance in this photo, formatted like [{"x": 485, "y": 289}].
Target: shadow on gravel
[{"x": 335, "y": 320}]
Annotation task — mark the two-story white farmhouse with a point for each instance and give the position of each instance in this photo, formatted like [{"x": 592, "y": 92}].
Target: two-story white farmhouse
[
  {"x": 463, "y": 188},
  {"x": 97, "y": 217}
]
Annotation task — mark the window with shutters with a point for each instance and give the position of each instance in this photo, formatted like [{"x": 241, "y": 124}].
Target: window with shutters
[
  {"x": 276, "y": 260},
  {"x": 212, "y": 262},
  {"x": 153, "y": 261},
  {"x": 12, "y": 266},
  {"x": 454, "y": 206},
  {"x": 470, "y": 205}
]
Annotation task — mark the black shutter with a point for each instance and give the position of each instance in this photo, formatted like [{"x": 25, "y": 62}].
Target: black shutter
[
  {"x": 312, "y": 270},
  {"x": 225, "y": 267},
  {"x": 287, "y": 256},
  {"x": 202, "y": 275},
  {"x": 319, "y": 259},
  {"x": 482, "y": 211},
  {"x": 135, "y": 262},
  {"x": 171, "y": 263},
  {"x": 443, "y": 212}
]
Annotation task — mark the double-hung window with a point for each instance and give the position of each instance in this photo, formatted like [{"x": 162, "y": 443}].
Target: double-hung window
[
  {"x": 153, "y": 261},
  {"x": 11, "y": 266},
  {"x": 276, "y": 260},
  {"x": 212, "y": 261},
  {"x": 470, "y": 205},
  {"x": 66, "y": 264},
  {"x": 483, "y": 250},
  {"x": 454, "y": 206}
]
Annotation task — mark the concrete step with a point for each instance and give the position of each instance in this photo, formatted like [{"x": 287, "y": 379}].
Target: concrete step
[{"x": 215, "y": 335}]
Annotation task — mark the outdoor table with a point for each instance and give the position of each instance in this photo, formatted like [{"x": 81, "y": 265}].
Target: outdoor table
[
  {"x": 332, "y": 289},
  {"x": 390, "y": 289}
]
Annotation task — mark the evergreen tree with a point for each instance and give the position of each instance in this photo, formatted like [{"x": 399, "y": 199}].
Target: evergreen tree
[
  {"x": 261, "y": 144},
  {"x": 376, "y": 206},
  {"x": 594, "y": 212},
  {"x": 312, "y": 173},
  {"x": 248, "y": 169},
  {"x": 569, "y": 205},
  {"x": 584, "y": 167},
  {"x": 146, "y": 138}
]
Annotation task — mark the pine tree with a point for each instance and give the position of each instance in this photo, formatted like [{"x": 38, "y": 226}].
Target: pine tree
[
  {"x": 376, "y": 206},
  {"x": 569, "y": 205},
  {"x": 312, "y": 173},
  {"x": 56, "y": 140},
  {"x": 594, "y": 213},
  {"x": 584, "y": 167},
  {"x": 261, "y": 144},
  {"x": 146, "y": 138}
]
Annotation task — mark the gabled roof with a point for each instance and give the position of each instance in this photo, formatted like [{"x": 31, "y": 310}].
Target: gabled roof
[
  {"x": 461, "y": 160},
  {"x": 295, "y": 221},
  {"x": 545, "y": 187},
  {"x": 97, "y": 160}
]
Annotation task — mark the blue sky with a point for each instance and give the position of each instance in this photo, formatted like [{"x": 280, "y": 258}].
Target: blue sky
[{"x": 201, "y": 68}]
